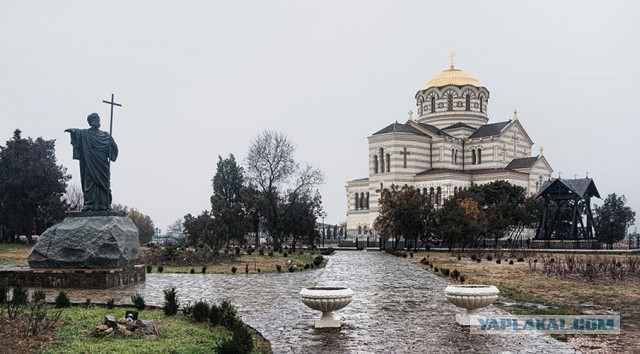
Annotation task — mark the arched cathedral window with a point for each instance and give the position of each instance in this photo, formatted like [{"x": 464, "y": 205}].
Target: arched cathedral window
[
  {"x": 366, "y": 201},
  {"x": 481, "y": 99},
  {"x": 439, "y": 195},
  {"x": 381, "y": 160},
  {"x": 361, "y": 201},
  {"x": 468, "y": 102},
  {"x": 450, "y": 102},
  {"x": 375, "y": 163},
  {"x": 433, "y": 104},
  {"x": 359, "y": 230},
  {"x": 473, "y": 156},
  {"x": 388, "y": 163},
  {"x": 432, "y": 196},
  {"x": 356, "y": 202},
  {"x": 479, "y": 151}
]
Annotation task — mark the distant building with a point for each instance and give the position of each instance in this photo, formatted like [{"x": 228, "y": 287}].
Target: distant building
[{"x": 447, "y": 148}]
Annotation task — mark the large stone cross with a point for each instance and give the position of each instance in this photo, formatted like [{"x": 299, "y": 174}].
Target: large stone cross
[
  {"x": 112, "y": 103},
  {"x": 405, "y": 153}
]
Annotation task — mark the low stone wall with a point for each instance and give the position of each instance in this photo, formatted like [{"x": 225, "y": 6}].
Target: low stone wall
[{"x": 73, "y": 278}]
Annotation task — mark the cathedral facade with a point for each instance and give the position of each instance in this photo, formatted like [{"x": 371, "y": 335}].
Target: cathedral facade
[{"x": 449, "y": 146}]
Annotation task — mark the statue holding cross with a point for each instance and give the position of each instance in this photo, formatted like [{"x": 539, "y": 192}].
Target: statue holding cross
[{"x": 95, "y": 149}]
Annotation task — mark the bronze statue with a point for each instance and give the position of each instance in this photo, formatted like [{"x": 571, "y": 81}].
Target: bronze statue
[{"x": 95, "y": 149}]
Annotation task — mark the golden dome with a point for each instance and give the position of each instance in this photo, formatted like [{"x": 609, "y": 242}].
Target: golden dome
[{"x": 454, "y": 77}]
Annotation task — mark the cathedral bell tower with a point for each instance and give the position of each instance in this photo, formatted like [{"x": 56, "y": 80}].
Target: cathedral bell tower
[{"x": 453, "y": 97}]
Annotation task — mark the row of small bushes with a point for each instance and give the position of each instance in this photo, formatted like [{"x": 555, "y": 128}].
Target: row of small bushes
[
  {"x": 316, "y": 263},
  {"x": 218, "y": 315},
  {"x": 490, "y": 255},
  {"x": 15, "y": 302},
  {"x": 455, "y": 274},
  {"x": 19, "y": 295},
  {"x": 170, "y": 254},
  {"x": 160, "y": 269},
  {"x": 224, "y": 314},
  {"x": 490, "y": 258},
  {"x": 446, "y": 272}
]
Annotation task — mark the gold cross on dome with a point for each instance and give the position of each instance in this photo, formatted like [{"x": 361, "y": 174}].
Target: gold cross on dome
[{"x": 451, "y": 57}]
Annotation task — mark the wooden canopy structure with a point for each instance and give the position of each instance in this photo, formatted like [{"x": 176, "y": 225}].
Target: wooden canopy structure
[{"x": 567, "y": 209}]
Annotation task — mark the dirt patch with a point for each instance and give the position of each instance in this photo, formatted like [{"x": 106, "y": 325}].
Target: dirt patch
[{"x": 14, "y": 341}]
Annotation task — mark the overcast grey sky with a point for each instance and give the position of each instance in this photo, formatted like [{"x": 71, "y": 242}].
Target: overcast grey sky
[{"x": 198, "y": 79}]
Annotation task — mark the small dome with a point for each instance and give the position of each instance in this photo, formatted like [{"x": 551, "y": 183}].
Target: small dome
[{"x": 454, "y": 77}]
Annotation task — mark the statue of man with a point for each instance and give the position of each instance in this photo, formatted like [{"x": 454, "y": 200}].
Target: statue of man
[{"x": 95, "y": 149}]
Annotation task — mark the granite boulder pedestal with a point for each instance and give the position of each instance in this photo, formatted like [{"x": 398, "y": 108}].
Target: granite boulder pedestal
[
  {"x": 89, "y": 240},
  {"x": 85, "y": 250}
]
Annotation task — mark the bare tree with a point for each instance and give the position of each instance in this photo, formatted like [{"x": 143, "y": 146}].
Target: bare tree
[
  {"x": 280, "y": 180},
  {"x": 176, "y": 226}
]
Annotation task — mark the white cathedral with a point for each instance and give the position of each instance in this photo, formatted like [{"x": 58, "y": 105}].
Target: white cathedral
[{"x": 450, "y": 146}]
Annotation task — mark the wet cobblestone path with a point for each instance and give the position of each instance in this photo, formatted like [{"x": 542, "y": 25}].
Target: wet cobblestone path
[{"x": 397, "y": 308}]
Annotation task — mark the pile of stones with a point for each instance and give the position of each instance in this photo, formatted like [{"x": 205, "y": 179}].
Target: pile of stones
[{"x": 127, "y": 327}]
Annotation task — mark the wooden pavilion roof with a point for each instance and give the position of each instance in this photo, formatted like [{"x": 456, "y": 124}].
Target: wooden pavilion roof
[{"x": 568, "y": 189}]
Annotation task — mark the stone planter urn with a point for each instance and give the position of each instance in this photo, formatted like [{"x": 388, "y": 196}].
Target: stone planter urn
[
  {"x": 470, "y": 297},
  {"x": 326, "y": 299}
]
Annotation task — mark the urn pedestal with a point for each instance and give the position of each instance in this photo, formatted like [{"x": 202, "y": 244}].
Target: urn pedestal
[
  {"x": 326, "y": 300},
  {"x": 470, "y": 297}
]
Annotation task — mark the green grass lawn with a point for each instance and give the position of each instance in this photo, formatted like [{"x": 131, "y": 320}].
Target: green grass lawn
[{"x": 178, "y": 334}]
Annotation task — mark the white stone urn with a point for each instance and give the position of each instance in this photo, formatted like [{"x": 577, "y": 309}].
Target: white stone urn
[
  {"x": 470, "y": 297},
  {"x": 326, "y": 299}
]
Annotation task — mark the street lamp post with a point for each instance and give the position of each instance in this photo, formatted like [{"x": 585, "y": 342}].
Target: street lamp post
[
  {"x": 612, "y": 219},
  {"x": 437, "y": 208},
  {"x": 323, "y": 215}
]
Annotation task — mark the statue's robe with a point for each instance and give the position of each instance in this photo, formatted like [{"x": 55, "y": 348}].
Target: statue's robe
[{"x": 95, "y": 149}]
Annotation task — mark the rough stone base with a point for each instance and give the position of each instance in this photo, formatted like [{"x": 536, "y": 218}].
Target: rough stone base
[
  {"x": 87, "y": 241},
  {"x": 73, "y": 278}
]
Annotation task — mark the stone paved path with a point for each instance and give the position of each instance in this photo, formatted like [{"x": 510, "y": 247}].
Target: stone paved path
[{"x": 397, "y": 308}]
